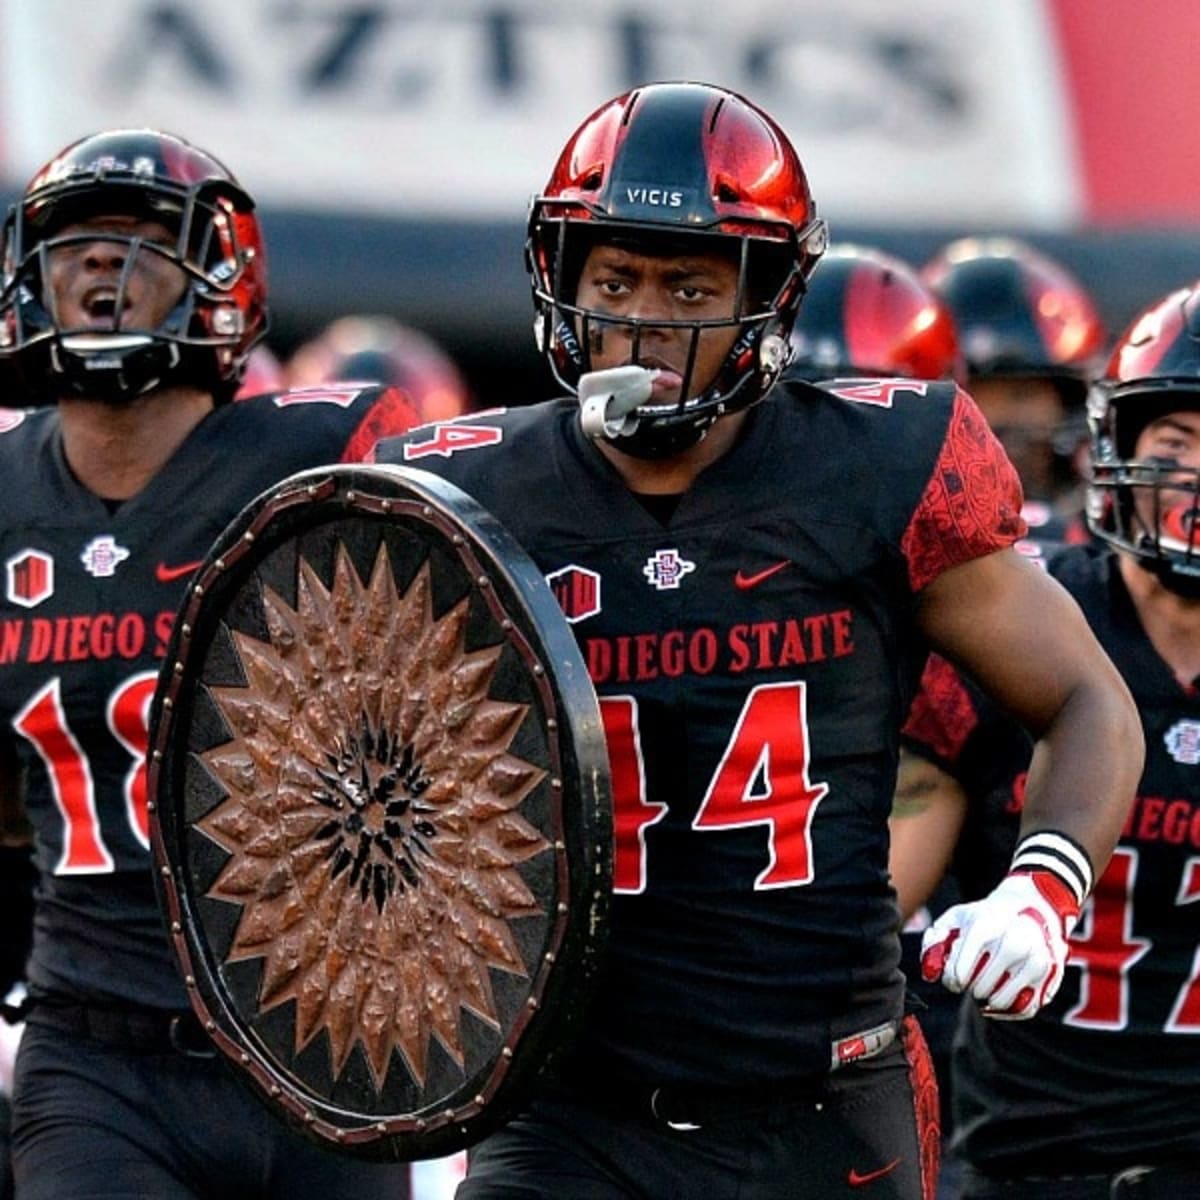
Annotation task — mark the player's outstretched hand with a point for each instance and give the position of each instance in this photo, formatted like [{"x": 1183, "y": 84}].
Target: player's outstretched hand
[{"x": 1007, "y": 950}]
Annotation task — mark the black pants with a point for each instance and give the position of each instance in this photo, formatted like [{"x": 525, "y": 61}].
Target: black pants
[
  {"x": 1169, "y": 1182},
  {"x": 98, "y": 1121},
  {"x": 858, "y": 1135}
]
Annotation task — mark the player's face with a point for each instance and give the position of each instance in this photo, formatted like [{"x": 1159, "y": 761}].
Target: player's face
[
  {"x": 1172, "y": 440},
  {"x": 89, "y": 281},
  {"x": 1024, "y": 413},
  {"x": 699, "y": 286}
]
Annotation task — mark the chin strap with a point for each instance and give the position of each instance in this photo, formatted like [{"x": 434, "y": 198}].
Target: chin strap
[{"x": 607, "y": 400}]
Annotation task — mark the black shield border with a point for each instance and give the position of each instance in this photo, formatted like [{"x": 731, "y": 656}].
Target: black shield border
[{"x": 516, "y": 590}]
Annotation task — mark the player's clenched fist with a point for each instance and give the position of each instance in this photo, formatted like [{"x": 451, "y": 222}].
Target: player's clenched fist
[{"x": 1008, "y": 950}]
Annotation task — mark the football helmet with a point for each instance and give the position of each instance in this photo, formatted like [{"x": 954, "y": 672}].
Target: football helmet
[
  {"x": 1021, "y": 315},
  {"x": 221, "y": 313},
  {"x": 380, "y": 349},
  {"x": 1018, "y": 312},
  {"x": 1149, "y": 507},
  {"x": 669, "y": 168},
  {"x": 868, "y": 312}
]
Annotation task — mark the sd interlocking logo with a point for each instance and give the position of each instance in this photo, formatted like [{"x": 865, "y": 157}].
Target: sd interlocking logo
[
  {"x": 664, "y": 569},
  {"x": 101, "y": 556},
  {"x": 1183, "y": 742}
]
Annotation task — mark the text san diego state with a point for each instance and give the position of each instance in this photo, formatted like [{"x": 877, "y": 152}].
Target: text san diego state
[
  {"x": 754, "y": 646},
  {"x": 83, "y": 637}
]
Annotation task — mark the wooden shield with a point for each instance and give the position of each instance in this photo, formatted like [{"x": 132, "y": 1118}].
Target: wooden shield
[{"x": 380, "y": 810}]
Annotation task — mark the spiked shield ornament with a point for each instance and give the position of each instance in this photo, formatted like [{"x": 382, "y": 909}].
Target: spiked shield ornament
[{"x": 380, "y": 810}]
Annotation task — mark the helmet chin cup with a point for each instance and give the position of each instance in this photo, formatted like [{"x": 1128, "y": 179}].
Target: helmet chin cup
[
  {"x": 99, "y": 346},
  {"x": 110, "y": 367}
]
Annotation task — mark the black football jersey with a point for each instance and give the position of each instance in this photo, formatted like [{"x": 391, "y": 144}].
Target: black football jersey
[
  {"x": 1106, "y": 1074},
  {"x": 754, "y": 651},
  {"x": 89, "y": 599}
]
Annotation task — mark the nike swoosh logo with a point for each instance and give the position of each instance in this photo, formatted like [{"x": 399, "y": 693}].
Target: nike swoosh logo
[
  {"x": 745, "y": 582},
  {"x": 857, "y": 1180},
  {"x": 165, "y": 574}
]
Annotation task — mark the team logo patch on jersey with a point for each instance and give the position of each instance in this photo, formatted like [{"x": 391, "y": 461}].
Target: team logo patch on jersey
[
  {"x": 577, "y": 591},
  {"x": 29, "y": 578},
  {"x": 101, "y": 556},
  {"x": 1183, "y": 742},
  {"x": 664, "y": 569}
]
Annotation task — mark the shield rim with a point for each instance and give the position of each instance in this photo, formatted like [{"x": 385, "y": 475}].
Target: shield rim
[{"x": 575, "y": 742}]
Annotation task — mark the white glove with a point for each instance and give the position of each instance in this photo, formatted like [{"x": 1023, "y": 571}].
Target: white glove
[{"x": 1007, "y": 950}]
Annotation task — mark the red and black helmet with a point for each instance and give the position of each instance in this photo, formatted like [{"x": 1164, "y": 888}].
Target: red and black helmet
[
  {"x": 1018, "y": 312},
  {"x": 868, "y": 312},
  {"x": 1154, "y": 370},
  {"x": 157, "y": 176},
  {"x": 380, "y": 349},
  {"x": 663, "y": 166}
]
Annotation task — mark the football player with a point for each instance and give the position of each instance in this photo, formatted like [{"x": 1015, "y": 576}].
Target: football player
[
  {"x": 1094, "y": 1097},
  {"x": 1032, "y": 340},
  {"x": 134, "y": 288},
  {"x": 763, "y": 562}
]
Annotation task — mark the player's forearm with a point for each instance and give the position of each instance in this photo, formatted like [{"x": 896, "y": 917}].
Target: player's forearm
[
  {"x": 1085, "y": 769},
  {"x": 927, "y": 815}
]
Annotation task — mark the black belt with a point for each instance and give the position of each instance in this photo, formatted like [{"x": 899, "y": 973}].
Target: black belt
[
  {"x": 133, "y": 1028},
  {"x": 1170, "y": 1181},
  {"x": 689, "y": 1108}
]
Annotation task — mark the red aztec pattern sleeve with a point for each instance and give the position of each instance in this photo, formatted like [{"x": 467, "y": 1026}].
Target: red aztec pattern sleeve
[
  {"x": 391, "y": 414},
  {"x": 943, "y": 715},
  {"x": 972, "y": 503}
]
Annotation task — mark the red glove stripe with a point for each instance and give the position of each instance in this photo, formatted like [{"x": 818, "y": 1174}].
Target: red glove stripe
[{"x": 1057, "y": 894}]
